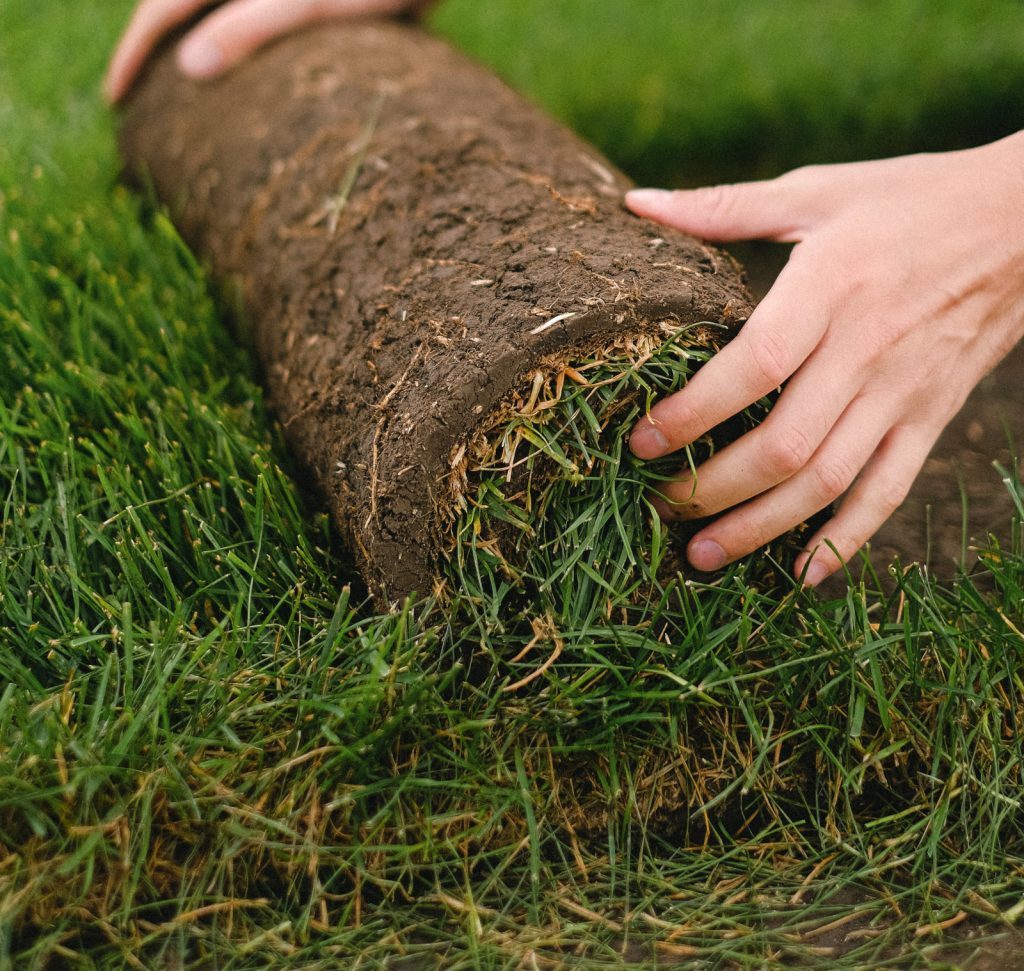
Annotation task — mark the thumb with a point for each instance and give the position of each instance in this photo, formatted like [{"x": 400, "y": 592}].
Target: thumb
[{"x": 778, "y": 210}]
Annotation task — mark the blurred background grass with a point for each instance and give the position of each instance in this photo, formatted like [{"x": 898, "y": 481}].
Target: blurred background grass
[
  {"x": 674, "y": 91},
  {"x": 679, "y": 91}
]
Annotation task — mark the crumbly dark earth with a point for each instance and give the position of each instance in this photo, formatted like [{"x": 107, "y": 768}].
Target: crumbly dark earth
[{"x": 411, "y": 239}]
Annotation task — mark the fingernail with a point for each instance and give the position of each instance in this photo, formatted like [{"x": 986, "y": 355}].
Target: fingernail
[
  {"x": 816, "y": 572},
  {"x": 662, "y": 508},
  {"x": 706, "y": 555},
  {"x": 647, "y": 442},
  {"x": 646, "y": 198},
  {"x": 199, "y": 58}
]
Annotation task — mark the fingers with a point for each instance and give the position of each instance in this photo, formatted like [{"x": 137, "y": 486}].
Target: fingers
[
  {"x": 227, "y": 35},
  {"x": 769, "y": 348},
  {"x": 908, "y": 327},
  {"x": 824, "y": 477},
  {"x": 878, "y": 493},
  {"x": 891, "y": 463},
  {"x": 781, "y": 447},
  {"x": 150, "y": 22},
  {"x": 779, "y": 209},
  {"x": 234, "y": 31}
]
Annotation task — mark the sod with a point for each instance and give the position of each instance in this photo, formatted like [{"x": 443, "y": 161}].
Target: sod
[
  {"x": 213, "y": 755},
  {"x": 550, "y": 511},
  {"x": 413, "y": 242}
]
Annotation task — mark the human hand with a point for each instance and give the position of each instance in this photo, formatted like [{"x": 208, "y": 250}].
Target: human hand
[
  {"x": 228, "y": 34},
  {"x": 905, "y": 288}
]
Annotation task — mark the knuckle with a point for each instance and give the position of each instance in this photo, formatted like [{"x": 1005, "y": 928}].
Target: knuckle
[
  {"x": 805, "y": 177},
  {"x": 718, "y": 201},
  {"x": 770, "y": 355},
  {"x": 788, "y": 450},
  {"x": 831, "y": 478},
  {"x": 892, "y": 494},
  {"x": 811, "y": 189},
  {"x": 750, "y": 529},
  {"x": 743, "y": 531},
  {"x": 883, "y": 334},
  {"x": 682, "y": 422}
]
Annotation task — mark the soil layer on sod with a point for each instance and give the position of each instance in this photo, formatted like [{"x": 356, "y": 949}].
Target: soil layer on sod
[{"x": 413, "y": 242}]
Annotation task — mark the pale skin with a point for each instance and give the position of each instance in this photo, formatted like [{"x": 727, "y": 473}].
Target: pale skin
[{"x": 905, "y": 287}]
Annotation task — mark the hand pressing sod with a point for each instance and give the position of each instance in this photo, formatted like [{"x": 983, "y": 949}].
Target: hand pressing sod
[
  {"x": 227, "y": 34},
  {"x": 905, "y": 288}
]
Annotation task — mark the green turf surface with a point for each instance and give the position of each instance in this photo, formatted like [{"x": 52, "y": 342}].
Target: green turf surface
[{"x": 212, "y": 755}]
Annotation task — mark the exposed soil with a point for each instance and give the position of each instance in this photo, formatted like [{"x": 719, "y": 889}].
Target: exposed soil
[
  {"x": 931, "y": 526},
  {"x": 412, "y": 239}
]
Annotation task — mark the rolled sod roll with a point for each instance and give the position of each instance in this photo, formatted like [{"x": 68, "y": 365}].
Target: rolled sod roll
[{"x": 417, "y": 248}]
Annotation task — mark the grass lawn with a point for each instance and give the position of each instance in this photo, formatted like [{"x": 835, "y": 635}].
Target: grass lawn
[
  {"x": 678, "y": 91},
  {"x": 212, "y": 755}
]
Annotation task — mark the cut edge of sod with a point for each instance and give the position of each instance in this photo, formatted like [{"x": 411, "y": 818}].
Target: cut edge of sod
[{"x": 545, "y": 496}]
